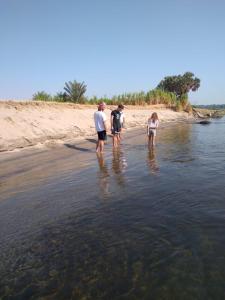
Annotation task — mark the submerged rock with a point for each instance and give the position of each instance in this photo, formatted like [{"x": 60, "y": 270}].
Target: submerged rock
[{"x": 204, "y": 122}]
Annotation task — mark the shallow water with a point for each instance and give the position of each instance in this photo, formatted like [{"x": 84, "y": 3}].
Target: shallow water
[{"x": 130, "y": 224}]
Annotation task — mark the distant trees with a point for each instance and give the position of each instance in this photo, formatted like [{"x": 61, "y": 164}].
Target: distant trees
[
  {"x": 180, "y": 85},
  {"x": 211, "y": 106},
  {"x": 61, "y": 97},
  {"x": 172, "y": 91},
  {"x": 75, "y": 91}
]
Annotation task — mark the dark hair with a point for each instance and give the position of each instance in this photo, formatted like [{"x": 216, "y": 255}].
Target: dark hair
[
  {"x": 121, "y": 106},
  {"x": 154, "y": 117}
]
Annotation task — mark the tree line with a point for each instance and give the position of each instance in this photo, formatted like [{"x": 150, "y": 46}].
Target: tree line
[
  {"x": 211, "y": 106},
  {"x": 172, "y": 91}
]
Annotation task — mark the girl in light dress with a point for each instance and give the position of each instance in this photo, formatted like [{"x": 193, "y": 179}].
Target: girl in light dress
[{"x": 153, "y": 123}]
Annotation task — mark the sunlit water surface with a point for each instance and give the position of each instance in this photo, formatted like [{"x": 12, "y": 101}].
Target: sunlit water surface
[{"x": 130, "y": 224}]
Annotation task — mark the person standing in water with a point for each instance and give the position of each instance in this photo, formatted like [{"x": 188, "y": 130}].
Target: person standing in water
[
  {"x": 101, "y": 127},
  {"x": 153, "y": 123},
  {"x": 122, "y": 122},
  {"x": 116, "y": 125}
]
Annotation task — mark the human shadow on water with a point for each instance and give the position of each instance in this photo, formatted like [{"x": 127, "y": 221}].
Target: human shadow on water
[
  {"x": 77, "y": 148},
  {"x": 103, "y": 175},
  {"x": 152, "y": 162},
  {"x": 92, "y": 141}
]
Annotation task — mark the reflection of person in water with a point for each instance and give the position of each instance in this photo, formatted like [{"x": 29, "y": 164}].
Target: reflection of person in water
[
  {"x": 154, "y": 168},
  {"x": 119, "y": 165},
  {"x": 103, "y": 174}
]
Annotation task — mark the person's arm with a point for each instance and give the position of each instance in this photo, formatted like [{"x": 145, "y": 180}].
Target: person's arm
[
  {"x": 148, "y": 126},
  {"x": 111, "y": 120},
  {"x": 105, "y": 125},
  {"x": 123, "y": 121},
  {"x": 104, "y": 122}
]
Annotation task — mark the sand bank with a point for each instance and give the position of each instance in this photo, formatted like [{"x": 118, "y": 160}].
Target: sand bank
[{"x": 24, "y": 124}]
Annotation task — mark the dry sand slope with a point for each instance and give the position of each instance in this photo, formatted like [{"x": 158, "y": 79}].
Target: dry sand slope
[{"x": 24, "y": 124}]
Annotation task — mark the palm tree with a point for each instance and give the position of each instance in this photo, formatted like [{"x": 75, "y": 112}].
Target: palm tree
[{"x": 75, "y": 91}]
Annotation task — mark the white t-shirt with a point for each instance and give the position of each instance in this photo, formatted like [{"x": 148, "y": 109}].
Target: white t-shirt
[
  {"x": 121, "y": 117},
  {"x": 152, "y": 124},
  {"x": 100, "y": 118}
]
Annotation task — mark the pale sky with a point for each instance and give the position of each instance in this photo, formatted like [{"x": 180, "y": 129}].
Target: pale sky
[{"x": 113, "y": 46}]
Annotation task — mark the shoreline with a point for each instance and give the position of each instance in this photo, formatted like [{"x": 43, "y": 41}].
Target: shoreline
[{"x": 43, "y": 124}]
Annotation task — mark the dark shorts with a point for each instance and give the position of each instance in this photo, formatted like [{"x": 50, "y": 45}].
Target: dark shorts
[
  {"x": 102, "y": 135},
  {"x": 116, "y": 129}
]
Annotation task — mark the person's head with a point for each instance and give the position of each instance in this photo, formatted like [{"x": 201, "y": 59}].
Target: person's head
[
  {"x": 101, "y": 106},
  {"x": 154, "y": 116},
  {"x": 120, "y": 107}
]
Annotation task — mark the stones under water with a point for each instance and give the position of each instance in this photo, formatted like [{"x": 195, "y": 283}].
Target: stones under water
[{"x": 204, "y": 122}]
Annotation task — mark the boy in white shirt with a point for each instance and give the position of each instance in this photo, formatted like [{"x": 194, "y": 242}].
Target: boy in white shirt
[{"x": 100, "y": 125}]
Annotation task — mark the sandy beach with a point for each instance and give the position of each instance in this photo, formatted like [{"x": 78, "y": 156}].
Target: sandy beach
[{"x": 24, "y": 124}]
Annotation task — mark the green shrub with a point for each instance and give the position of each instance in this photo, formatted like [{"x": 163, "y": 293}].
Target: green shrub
[
  {"x": 152, "y": 97},
  {"x": 42, "y": 96}
]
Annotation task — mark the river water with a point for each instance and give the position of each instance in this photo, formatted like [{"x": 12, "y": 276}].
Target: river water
[{"x": 133, "y": 223}]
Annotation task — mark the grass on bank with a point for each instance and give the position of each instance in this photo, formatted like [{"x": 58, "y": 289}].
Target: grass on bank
[{"x": 152, "y": 97}]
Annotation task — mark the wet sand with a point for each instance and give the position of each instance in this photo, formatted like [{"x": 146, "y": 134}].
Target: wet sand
[{"x": 25, "y": 124}]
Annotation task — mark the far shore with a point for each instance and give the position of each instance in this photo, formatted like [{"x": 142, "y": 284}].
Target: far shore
[{"x": 30, "y": 123}]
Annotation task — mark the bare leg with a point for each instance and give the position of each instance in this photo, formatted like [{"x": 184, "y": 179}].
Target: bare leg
[
  {"x": 114, "y": 141},
  {"x": 153, "y": 140},
  {"x": 97, "y": 146},
  {"x": 101, "y": 146},
  {"x": 120, "y": 136},
  {"x": 150, "y": 141},
  {"x": 117, "y": 140}
]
